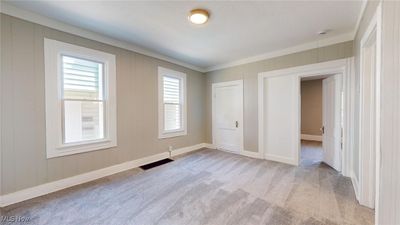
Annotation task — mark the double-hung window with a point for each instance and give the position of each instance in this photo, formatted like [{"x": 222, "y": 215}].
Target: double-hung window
[
  {"x": 172, "y": 103},
  {"x": 80, "y": 99}
]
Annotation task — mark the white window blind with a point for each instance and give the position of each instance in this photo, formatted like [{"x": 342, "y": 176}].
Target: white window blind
[
  {"x": 83, "y": 101},
  {"x": 172, "y": 103}
]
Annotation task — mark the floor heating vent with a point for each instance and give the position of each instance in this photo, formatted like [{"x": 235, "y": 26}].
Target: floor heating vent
[{"x": 155, "y": 164}]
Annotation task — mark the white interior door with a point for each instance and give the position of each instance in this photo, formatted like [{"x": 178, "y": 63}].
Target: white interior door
[
  {"x": 331, "y": 116},
  {"x": 281, "y": 119},
  {"x": 228, "y": 115}
]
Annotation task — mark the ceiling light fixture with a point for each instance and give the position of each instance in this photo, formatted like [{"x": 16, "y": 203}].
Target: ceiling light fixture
[{"x": 198, "y": 16}]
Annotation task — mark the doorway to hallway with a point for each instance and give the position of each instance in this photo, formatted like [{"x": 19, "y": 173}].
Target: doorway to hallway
[{"x": 321, "y": 121}]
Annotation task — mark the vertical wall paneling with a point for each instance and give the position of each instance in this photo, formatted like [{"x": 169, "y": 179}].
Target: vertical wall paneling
[
  {"x": 389, "y": 195},
  {"x": 22, "y": 112}
]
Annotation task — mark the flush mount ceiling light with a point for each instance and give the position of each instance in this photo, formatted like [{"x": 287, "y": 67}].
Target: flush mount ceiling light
[{"x": 198, "y": 16}]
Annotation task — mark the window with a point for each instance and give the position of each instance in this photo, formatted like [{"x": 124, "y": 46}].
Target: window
[
  {"x": 172, "y": 103},
  {"x": 80, "y": 99}
]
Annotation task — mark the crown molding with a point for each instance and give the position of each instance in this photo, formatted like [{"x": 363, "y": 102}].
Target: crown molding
[
  {"x": 58, "y": 25},
  {"x": 360, "y": 16},
  {"x": 298, "y": 48}
]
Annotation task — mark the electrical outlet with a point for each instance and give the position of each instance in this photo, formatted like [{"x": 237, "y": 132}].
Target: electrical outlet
[{"x": 170, "y": 148}]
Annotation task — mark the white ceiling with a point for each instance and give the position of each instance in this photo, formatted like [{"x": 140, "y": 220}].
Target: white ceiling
[{"x": 235, "y": 31}]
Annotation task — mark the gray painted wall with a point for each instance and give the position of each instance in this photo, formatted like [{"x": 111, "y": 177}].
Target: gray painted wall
[
  {"x": 23, "y": 153},
  {"x": 249, "y": 72},
  {"x": 311, "y": 107}
]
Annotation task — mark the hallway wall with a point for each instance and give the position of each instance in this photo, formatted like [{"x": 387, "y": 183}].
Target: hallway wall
[{"x": 311, "y": 107}]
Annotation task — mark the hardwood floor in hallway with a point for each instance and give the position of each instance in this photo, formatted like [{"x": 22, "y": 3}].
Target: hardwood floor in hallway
[{"x": 205, "y": 187}]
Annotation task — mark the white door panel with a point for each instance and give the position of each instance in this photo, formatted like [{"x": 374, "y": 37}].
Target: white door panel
[
  {"x": 331, "y": 121},
  {"x": 281, "y": 136},
  {"x": 228, "y": 115}
]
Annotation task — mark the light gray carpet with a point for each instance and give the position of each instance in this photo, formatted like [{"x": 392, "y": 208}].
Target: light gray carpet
[
  {"x": 311, "y": 153},
  {"x": 204, "y": 187}
]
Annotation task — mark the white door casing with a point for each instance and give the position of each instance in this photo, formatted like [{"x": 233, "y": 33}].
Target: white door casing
[
  {"x": 227, "y": 116},
  {"x": 331, "y": 117},
  {"x": 342, "y": 66},
  {"x": 369, "y": 113}
]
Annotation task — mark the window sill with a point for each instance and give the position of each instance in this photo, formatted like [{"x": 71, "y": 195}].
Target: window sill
[
  {"x": 171, "y": 134},
  {"x": 80, "y": 148}
]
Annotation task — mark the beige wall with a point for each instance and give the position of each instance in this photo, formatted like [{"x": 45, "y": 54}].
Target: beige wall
[
  {"x": 311, "y": 107},
  {"x": 248, "y": 73},
  {"x": 23, "y": 153}
]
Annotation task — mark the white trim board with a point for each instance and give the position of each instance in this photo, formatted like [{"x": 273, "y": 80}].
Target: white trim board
[
  {"x": 356, "y": 186},
  {"x": 43, "y": 189},
  {"x": 310, "y": 137},
  {"x": 58, "y": 25},
  {"x": 250, "y": 154},
  {"x": 210, "y": 146},
  {"x": 256, "y": 155},
  {"x": 369, "y": 105},
  {"x": 280, "y": 159},
  {"x": 185, "y": 150}
]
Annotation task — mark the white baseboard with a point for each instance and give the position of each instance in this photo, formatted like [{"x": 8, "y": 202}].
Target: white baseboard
[
  {"x": 184, "y": 150},
  {"x": 211, "y": 146},
  {"x": 258, "y": 155},
  {"x": 281, "y": 159},
  {"x": 354, "y": 181},
  {"x": 251, "y": 154},
  {"x": 54, "y": 186},
  {"x": 310, "y": 137}
]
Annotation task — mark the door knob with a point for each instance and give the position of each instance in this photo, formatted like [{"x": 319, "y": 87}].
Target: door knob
[
  {"x": 322, "y": 129},
  {"x": 237, "y": 124}
]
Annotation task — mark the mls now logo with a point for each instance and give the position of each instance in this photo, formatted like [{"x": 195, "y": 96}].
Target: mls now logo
[{"x": 12, "y": 219}]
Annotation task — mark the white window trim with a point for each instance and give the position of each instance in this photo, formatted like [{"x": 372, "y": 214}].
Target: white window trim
[
  {"x": 182, "y": 76},
  {"x": 52, "y": 53}
]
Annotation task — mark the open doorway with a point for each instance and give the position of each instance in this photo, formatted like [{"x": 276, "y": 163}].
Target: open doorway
[
  {"x": 321, "y": 121},
  {"x": 311, "y": 122},
  {"x": 279, "y": 112}
]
